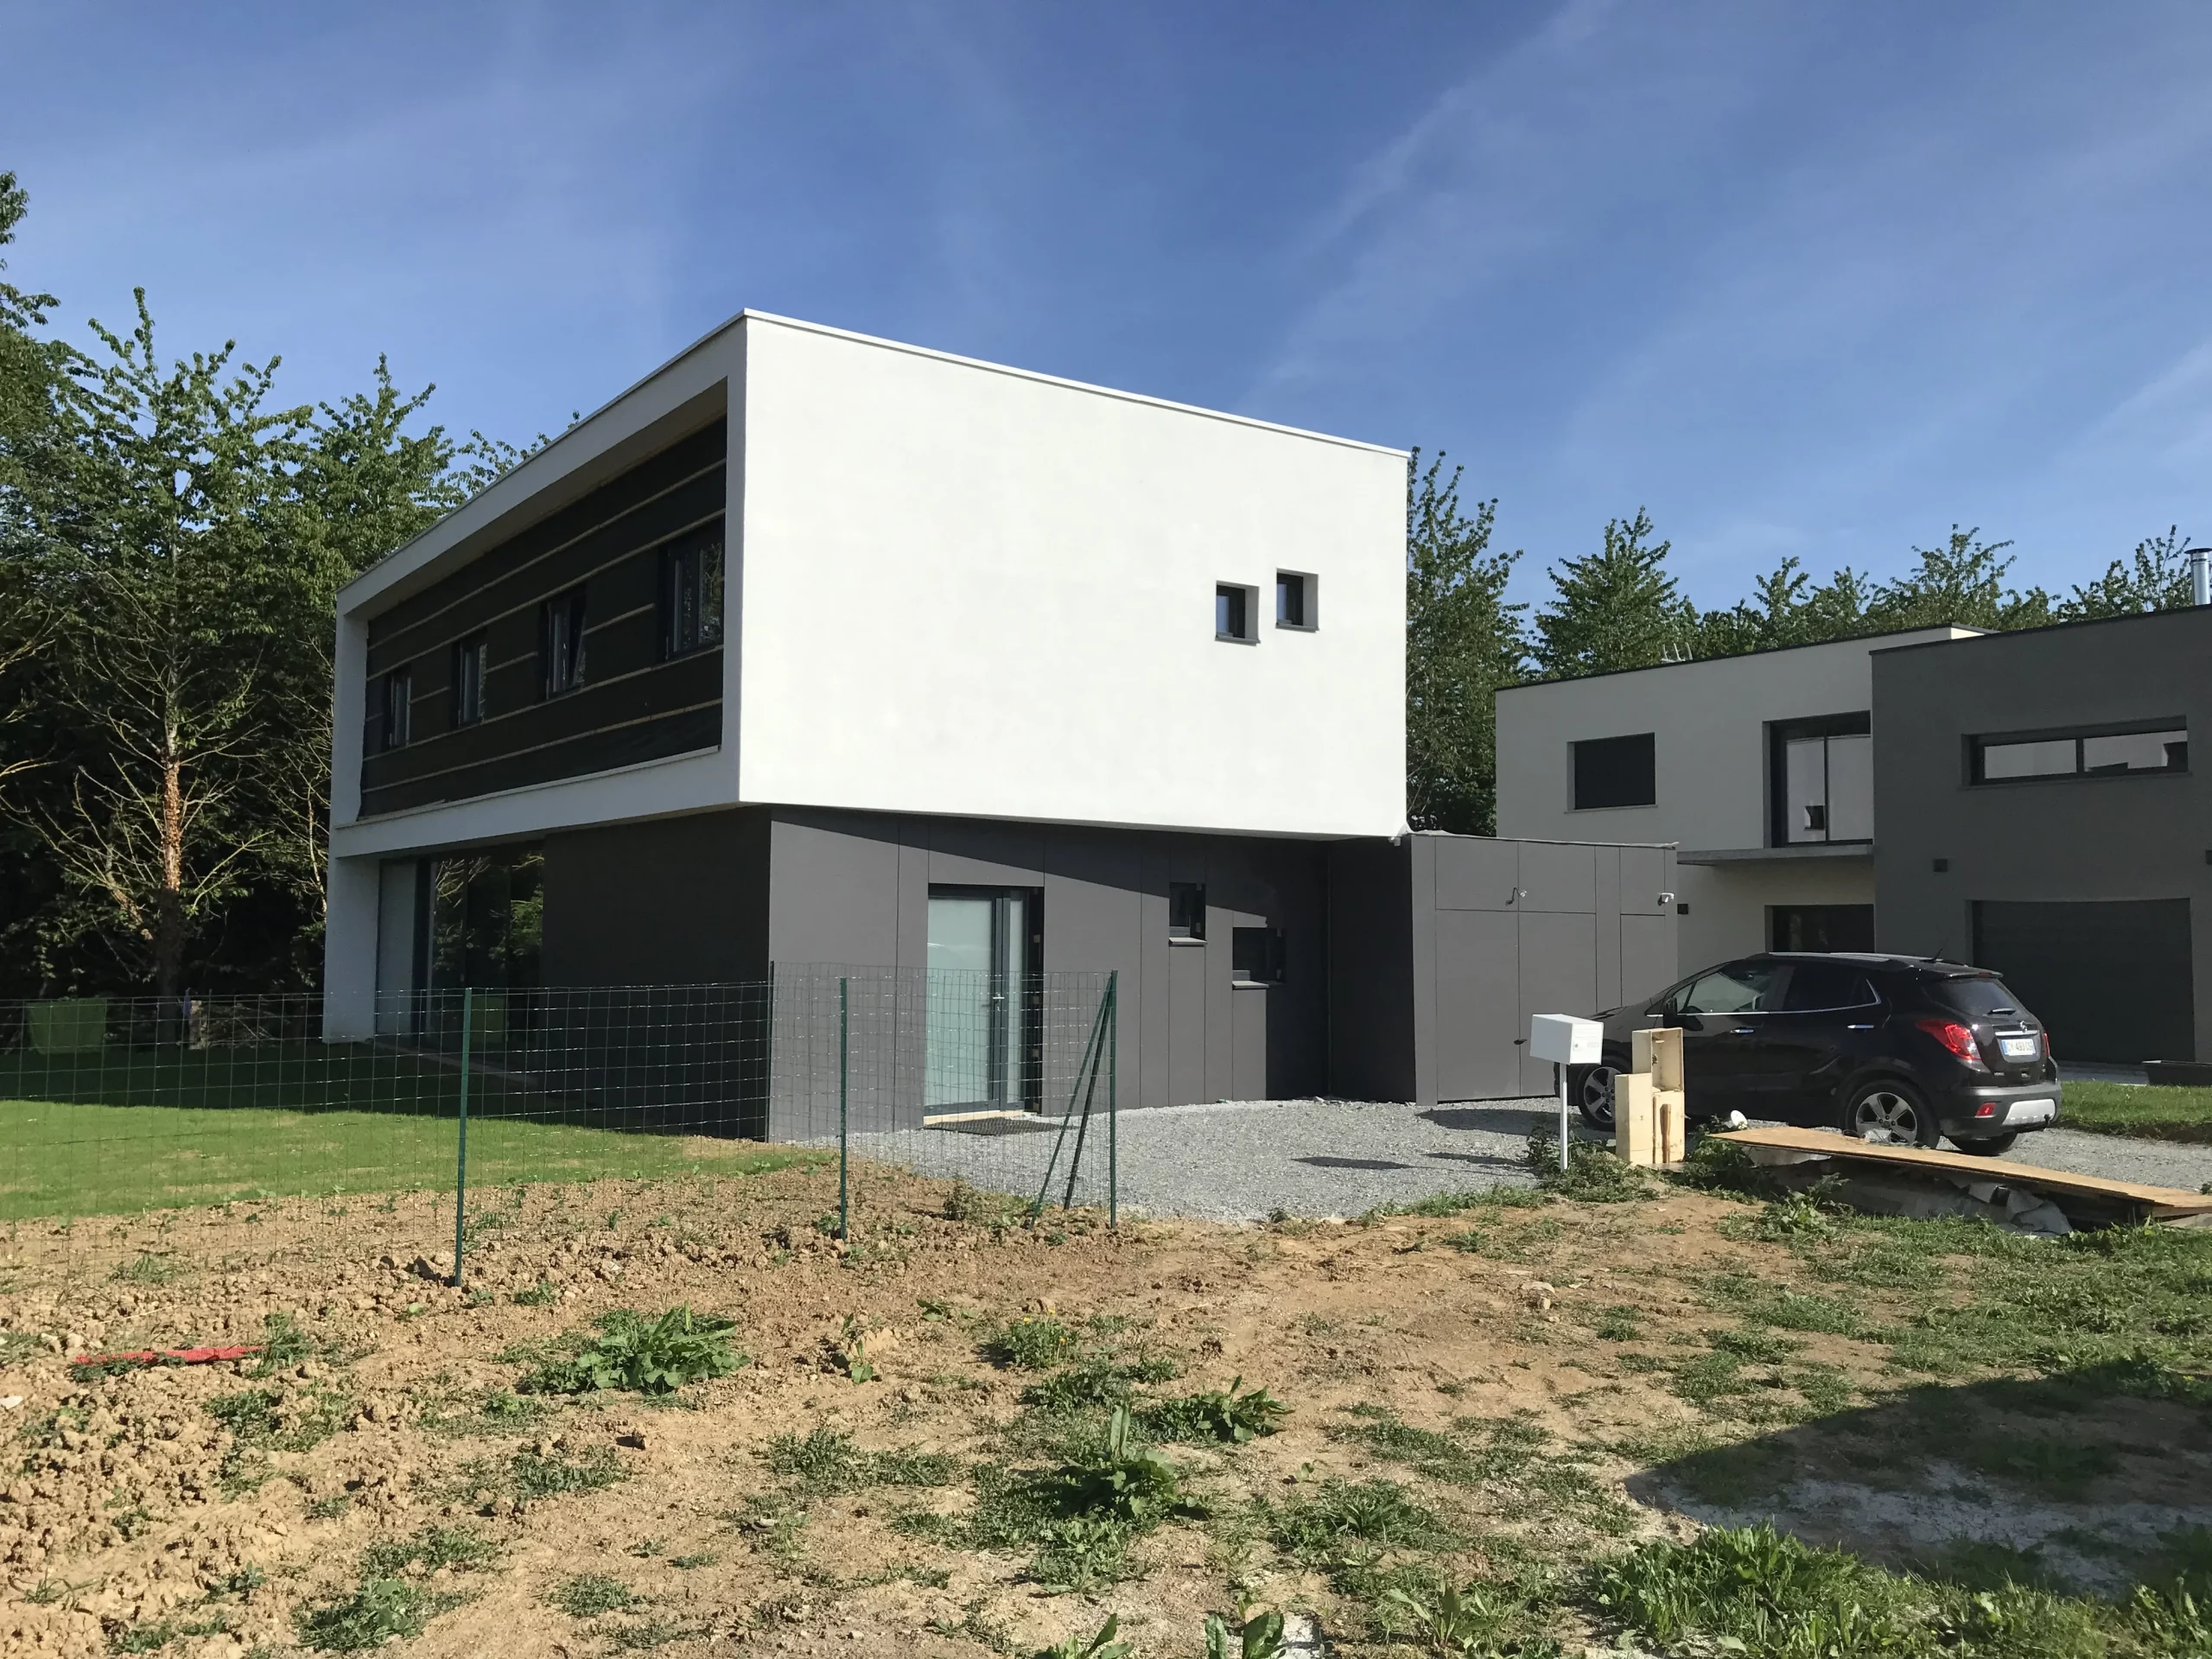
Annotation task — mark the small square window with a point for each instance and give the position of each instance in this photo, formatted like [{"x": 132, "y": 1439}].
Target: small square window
[
  {"x": 1255, "y": 955},
  {"x": 1296, "y": 594},
  {"x": 561, "y": 642},
  {"x": 1235, "y": 612},
  {"x": 470, "y": 658},
  {"x": 1186, "y": 910},
  {"x": 399, "y": 709}
]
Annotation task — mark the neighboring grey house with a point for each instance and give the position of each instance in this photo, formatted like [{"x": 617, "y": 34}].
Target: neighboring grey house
[
  {"x": 2041, "y": 816},
  {"x": 811, "y": 648},
  {"x": 2022, "y": 800}
]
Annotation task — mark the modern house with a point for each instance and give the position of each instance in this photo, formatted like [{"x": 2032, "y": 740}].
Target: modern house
[
  {"x": 816, "y": 649},
  {"x": 2023, "y": 800},
  {"x": 1757, "y": 768}
]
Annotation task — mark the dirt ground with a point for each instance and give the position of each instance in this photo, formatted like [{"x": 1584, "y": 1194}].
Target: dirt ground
[{"x": 133, "y": 1520}]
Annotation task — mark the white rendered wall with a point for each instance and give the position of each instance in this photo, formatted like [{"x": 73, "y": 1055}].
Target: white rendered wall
[
  {"x": 975, "y": 592},
  {"x": 1709, "y": 723}
]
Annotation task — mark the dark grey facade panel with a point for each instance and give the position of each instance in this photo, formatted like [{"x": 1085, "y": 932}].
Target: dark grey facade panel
[
  {"x": 1479, "y": 1026},
  {"x": 1371, "y": 972},
  {"x": 2129, "y": 838},
  {"x": 670, "y": 901},
  {"x": 2111, "y": 980}
]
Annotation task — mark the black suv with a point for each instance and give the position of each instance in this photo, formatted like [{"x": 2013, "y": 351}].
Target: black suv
[{"x": 1901, "y": 1049}]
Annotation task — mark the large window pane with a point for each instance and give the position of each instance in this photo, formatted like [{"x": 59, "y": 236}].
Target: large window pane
[
  {"x": 2049, "y": 758},
  {"x": 2136, "y": 752}
]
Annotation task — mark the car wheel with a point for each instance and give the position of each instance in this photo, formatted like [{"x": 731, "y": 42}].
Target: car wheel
[
  {"x": 1888, "y": 1113},
  {"x": 1985, "y": 1146},
  {"x": 1591, "y": 1088}
]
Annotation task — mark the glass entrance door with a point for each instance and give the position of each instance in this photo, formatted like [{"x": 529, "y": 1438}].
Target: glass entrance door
[{"x": 983, "y": 946}]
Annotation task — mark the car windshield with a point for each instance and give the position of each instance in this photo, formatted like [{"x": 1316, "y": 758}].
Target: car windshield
[{"x": 1979, "y": 996}]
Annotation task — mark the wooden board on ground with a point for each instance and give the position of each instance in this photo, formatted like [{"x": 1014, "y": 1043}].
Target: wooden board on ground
[{"x": 2159, "y": 1203}]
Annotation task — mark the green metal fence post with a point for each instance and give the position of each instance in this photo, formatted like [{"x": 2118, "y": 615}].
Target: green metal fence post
[
  {"x": 844, "y": 1069},
  {"x": 460, "y": 1166},
  {"x": 1113, "y": 1118}
]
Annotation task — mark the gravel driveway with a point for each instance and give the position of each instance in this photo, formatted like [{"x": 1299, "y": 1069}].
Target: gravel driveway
[{"x": 1239, "y": 1160}]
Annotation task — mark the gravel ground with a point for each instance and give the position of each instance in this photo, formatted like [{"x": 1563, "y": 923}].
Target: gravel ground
[{"x": 1240, "y": 1159}]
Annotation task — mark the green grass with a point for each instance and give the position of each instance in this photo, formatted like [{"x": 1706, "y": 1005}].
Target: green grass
[
  {"x": 2152, "y": 1114},
  {"x": 79, "y": 1159}
]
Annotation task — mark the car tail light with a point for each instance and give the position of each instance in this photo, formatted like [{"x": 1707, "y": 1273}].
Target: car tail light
[
  {"x": 2047, "y": 1054},
  {"x": 1988, "y": 1108},
  {"x": 1955, "y": 1037}
]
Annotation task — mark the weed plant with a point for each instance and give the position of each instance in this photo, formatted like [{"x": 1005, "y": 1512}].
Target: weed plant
[
  {"x": 825, "y": 1462},
  {"x": 1234, "y": 1417},
  {"x": 380, "y": 1610},
  {"x": 642, "y": 1355},
  {"x": 587, "y": 1595},
  {"x": 461, "y": 1548},
  {"x": 1033, "y": 1343},
  {"x": 1593, "y": 1175}
]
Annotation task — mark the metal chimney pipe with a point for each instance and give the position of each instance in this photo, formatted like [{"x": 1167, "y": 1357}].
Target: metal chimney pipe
[{"x": 2200, "y": 574}]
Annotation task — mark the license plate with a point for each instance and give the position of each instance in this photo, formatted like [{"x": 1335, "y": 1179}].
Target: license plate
[
  {"x": 2032, "y": 1111},
  {"x": 2018, "y": 1048}
]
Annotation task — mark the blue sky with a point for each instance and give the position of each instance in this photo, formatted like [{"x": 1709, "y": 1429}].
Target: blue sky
[{"x": 1802, "y": 278}]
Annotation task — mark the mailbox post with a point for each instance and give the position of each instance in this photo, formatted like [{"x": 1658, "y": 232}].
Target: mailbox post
[{"x": 1566, "y": 1040}]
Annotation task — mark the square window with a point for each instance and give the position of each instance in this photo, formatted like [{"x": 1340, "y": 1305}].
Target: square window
[
  {"x": 1296, "y": 594},
  {"x": 691, "y": 592},
  {"x": 1255, "y": 955},
  {"x": 1616, "y": 771},
  {"x": 1186, "y": 910},
  {"x": 561, "y": 642},
  {"x": 1235, "y": 612},
  {"x": 398, "y": 709},
  {"x": 470, "y": 658}
]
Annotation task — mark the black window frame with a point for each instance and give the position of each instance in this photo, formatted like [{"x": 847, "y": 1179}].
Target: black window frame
[
  {"x": 1258, "y": 955},
  {"x": 1780, "y": 734},
  {"x": 1297, "y": 593},
  {"x": 1186, "y": 911},
  {"x": 472, "y": 663},
  {"x": 1236, "y": 603},
  {"x": 396, "y": 715},
  {"x": 560, "y": 670},
  {"x": 692, "y": 591},
  {"x": 1978, "y": 744},
  {"x": 1586, "y": 758}
]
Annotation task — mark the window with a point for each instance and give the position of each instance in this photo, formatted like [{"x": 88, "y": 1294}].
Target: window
[
  {"x": 691, "y": 592},
  {"x": 1817, "y": 985},
  {"x": 1235, "y": 613},
  {"x": 1295, "y": 594},
  {"x": 561, "y": 642},
  {"x": 1615, "y": 771},
  {"x": 1255, "y": 955},
  {"x": 1186, "y": 910},
  {"x": 2161, "y": 748},
  {"x": 1822, "y": 781},
  {"x": 1741, "y": 987},
  {"x": 1821, "y": 927},
  {"x": 398, "y": 709},
  {"x": 470, "y": 657}
]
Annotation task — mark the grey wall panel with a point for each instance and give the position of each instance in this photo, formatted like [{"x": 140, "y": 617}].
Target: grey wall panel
[
  {"x": 1647, "y": 956},
  {"x": 981, "y": 853},
  {"x": 1248, "y": 1047},
  {"x": 1478, "y": 1004},
  {"x": 913, "y": 901},
  {"x": 1474, "y": 873},
  {"x": 1608, "y": 864},
  {"x": 1559, "y": 974},
  {"x": 1186, "y": 1024},
  {"x": 674, "y": 901},
  {"x": 1646, "y": 871},
  {"x": 834, "y": 894},
  {"x": 2112, "y": 980},
  {"x": 1421, "y": 889},
  {"x": 1559, "y": 876}
]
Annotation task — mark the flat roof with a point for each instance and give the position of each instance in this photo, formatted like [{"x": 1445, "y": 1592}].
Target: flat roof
[
  {"x": 2072, "y": 623},
  {"x": 1765, "y": 651}
]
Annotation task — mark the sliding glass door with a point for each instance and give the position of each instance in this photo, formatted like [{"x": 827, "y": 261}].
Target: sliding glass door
[{"x": 985, "y": 954}]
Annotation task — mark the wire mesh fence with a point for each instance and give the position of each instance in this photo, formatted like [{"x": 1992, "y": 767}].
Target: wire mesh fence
[{"x": 115, "y": 1106}]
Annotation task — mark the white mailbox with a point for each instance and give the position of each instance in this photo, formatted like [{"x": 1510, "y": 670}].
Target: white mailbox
[{"x": 1566, "y": 1038}]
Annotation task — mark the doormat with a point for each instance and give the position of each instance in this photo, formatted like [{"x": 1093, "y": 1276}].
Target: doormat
[{"x": 992, "y": 1123}]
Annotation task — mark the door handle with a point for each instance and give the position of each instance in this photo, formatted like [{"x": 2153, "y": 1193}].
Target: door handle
[
  {"x": 1743, "y": 1031},
  {"x": 1858, "y": 1028}
]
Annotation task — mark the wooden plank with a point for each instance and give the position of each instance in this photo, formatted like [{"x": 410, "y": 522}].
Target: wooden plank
[{"x": 2161, "y": 1200}]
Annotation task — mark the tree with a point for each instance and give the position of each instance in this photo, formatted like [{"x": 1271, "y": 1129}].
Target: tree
[
  {"x": 1615, "y": 608},
  {"x": 1463, "y": 643},
  {"x": 1960, "y": 582},
  {"x": 2157, "y": 578}
]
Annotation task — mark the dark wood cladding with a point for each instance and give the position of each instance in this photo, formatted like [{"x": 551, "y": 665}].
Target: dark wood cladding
[{"x": 632, "y": 706}]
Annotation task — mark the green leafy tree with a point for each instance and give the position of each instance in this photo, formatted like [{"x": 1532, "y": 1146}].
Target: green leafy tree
[
  {"x": 1615, "y": 608},
  {"x": 1960, "y": 582},
  {"x": 1463, "y": 643},
  {"x": 2156, "y": 578}
]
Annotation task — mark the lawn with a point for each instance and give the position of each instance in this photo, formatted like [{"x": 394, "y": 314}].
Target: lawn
[
  {"x": 76, "y": 1160},
  {"x": 2152, "y": 1114}
]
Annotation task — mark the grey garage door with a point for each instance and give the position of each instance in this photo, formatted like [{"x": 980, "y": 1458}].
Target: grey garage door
[{"x": 2110, "y": 979}]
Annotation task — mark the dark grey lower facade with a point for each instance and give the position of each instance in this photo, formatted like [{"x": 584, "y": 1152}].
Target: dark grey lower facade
[
  {"x": 2040, "y": 814},
  {"x": 1247, "y": 966}
]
